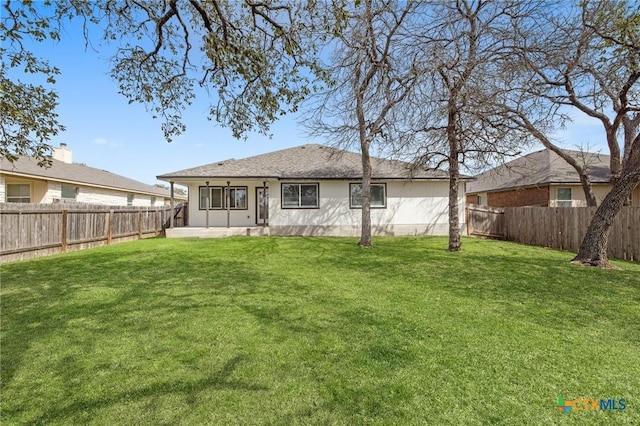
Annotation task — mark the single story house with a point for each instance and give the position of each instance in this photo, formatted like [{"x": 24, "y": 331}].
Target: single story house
[
  {"x": 23, "y": 181},
  {"x": 543, "y": 178},
  {"x": 313, "y": 190}
]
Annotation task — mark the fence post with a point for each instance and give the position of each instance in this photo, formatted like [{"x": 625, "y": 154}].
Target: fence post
[
  {"x": 109, "y": 226},
  {"x": 172, "y": 205},
  {"x": 139, "y": 224},
  {"x": 64, "y": 230},
  {"x": 466, "y": 218}
]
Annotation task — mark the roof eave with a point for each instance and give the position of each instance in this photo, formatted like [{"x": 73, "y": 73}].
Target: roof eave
[
  {"x": 172, "y": 178},
  {"x": 79, "y": 182},
  {"x": 536, "y": 185}
]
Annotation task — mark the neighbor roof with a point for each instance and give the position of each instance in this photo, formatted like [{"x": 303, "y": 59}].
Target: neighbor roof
[
  {"x": 541, "y": 168},
  {"x": 78, "y": 173},
  {"x": 311, "y": 161}
]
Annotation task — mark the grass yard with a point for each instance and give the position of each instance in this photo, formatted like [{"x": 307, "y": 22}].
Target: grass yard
[{"x": 288, "y": 331}]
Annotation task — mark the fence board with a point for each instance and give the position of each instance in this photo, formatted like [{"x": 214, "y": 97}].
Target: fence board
[
  {"x": 556, "y": 227},
  {"x": 30, "y": 230}
]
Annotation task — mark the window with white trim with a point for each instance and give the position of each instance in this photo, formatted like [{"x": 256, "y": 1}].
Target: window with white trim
[
  {"x": 18, "y": 193},
  {"x": 378, "y": 193},
  {"x": 129, "y": 200},
  {"x": 563, "y": 196},
  {"x": 217, "y": 198},
  {"x": 300, "y": 196}
]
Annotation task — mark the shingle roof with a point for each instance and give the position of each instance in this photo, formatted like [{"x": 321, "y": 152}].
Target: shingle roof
[
  {"x": 310, "y": 161},
  {"x": 79, "y": 173},
  {"x": 541, "y": 168}
]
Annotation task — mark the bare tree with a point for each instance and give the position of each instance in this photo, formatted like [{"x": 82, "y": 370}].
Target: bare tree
[
  {"x": 456, "y": 114},
  {"x": 373, "y": 72}
]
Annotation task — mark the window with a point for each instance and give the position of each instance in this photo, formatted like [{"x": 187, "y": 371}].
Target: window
[
  {"x": 378, "y": 195},
  {"x": 299, "y": 195},
  {"x": 215, "y": 197},
  {"x": 152, "y": 202},
  {"x": 237, "y": 198},
  {"x": 129, "y": 199},
  {"x": 217, "y": 200},
  {"x": 564, "y": 197},
  {"x": 18, "y": 193},
  {"x": 68, "y": 193}
]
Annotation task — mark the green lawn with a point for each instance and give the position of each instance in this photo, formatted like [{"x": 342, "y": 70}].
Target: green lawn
[{"x": 316, "y": 331}]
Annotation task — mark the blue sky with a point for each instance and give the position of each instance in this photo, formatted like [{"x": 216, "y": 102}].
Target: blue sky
[{"x": 106, "y": 132}]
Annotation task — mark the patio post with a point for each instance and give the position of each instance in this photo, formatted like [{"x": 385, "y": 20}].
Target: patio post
[
  {"x": 228, "y": 204},
  {"x": 172, "y": 206},
  {"x": 207, "y": 208},
  {"x": 265, "y": 207}
]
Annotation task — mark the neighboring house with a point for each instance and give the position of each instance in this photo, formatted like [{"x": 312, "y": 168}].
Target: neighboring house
[
  {"x": 25, "y": 182},
  {"x": 315, "y": 190},
  {"x": 543, "y": 178}
]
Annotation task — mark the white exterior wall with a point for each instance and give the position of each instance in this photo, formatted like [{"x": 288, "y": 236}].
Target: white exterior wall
[
  {"x": 47, "y": 192},
  {"x": 86, "y": 194},
  {"x": 113, "y": 198},
  {"x": 218, "y": 218},
  {"x": 413, "y": 208}
]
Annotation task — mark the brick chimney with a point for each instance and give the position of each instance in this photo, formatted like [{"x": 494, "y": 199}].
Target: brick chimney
[{"x": 63, "y": 153}]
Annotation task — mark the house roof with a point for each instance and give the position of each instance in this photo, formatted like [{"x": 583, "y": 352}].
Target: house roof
[
  {"x": 310, "y": 161},
  {"x": 541, "y": 168},
  {"x": 78, "y": 174}
]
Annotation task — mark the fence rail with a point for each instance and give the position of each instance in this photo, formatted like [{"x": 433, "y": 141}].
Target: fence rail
[
  {"x": 555, "y": 227},
  {"x": 30, "y": 230}
]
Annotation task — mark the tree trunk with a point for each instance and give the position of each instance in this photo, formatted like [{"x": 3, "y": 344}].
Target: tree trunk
[
  {"x": 454, "y": 179},
  {"x": 585, "y": 181},
  {"x": 588, "y": 190},
  {"x": 593, "y": 250},
  {"x": 454, "y": 219},
  {"x": 365, "y": 231}
]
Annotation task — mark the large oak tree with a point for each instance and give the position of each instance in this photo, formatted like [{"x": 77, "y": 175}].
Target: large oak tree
[
  {"x": 587, "y": 58},
  {"x": 253, "y": 60}
]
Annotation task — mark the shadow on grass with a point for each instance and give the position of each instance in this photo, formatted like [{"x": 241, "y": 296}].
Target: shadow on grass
[
  {"x": 92, "y": 296},
  {"x": 218, "y": 380},
  {"x": 335, "y": 305}
]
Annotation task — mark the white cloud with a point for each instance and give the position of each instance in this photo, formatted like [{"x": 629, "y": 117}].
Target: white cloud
[{"x": 100, "y": 141}]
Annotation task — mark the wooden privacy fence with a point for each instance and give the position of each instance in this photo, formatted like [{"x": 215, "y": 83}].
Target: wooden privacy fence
[
  {"x": 485, "y": 221},
  {"x": 30, "y": 230},
  {"x": 555, "y": 227}
]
